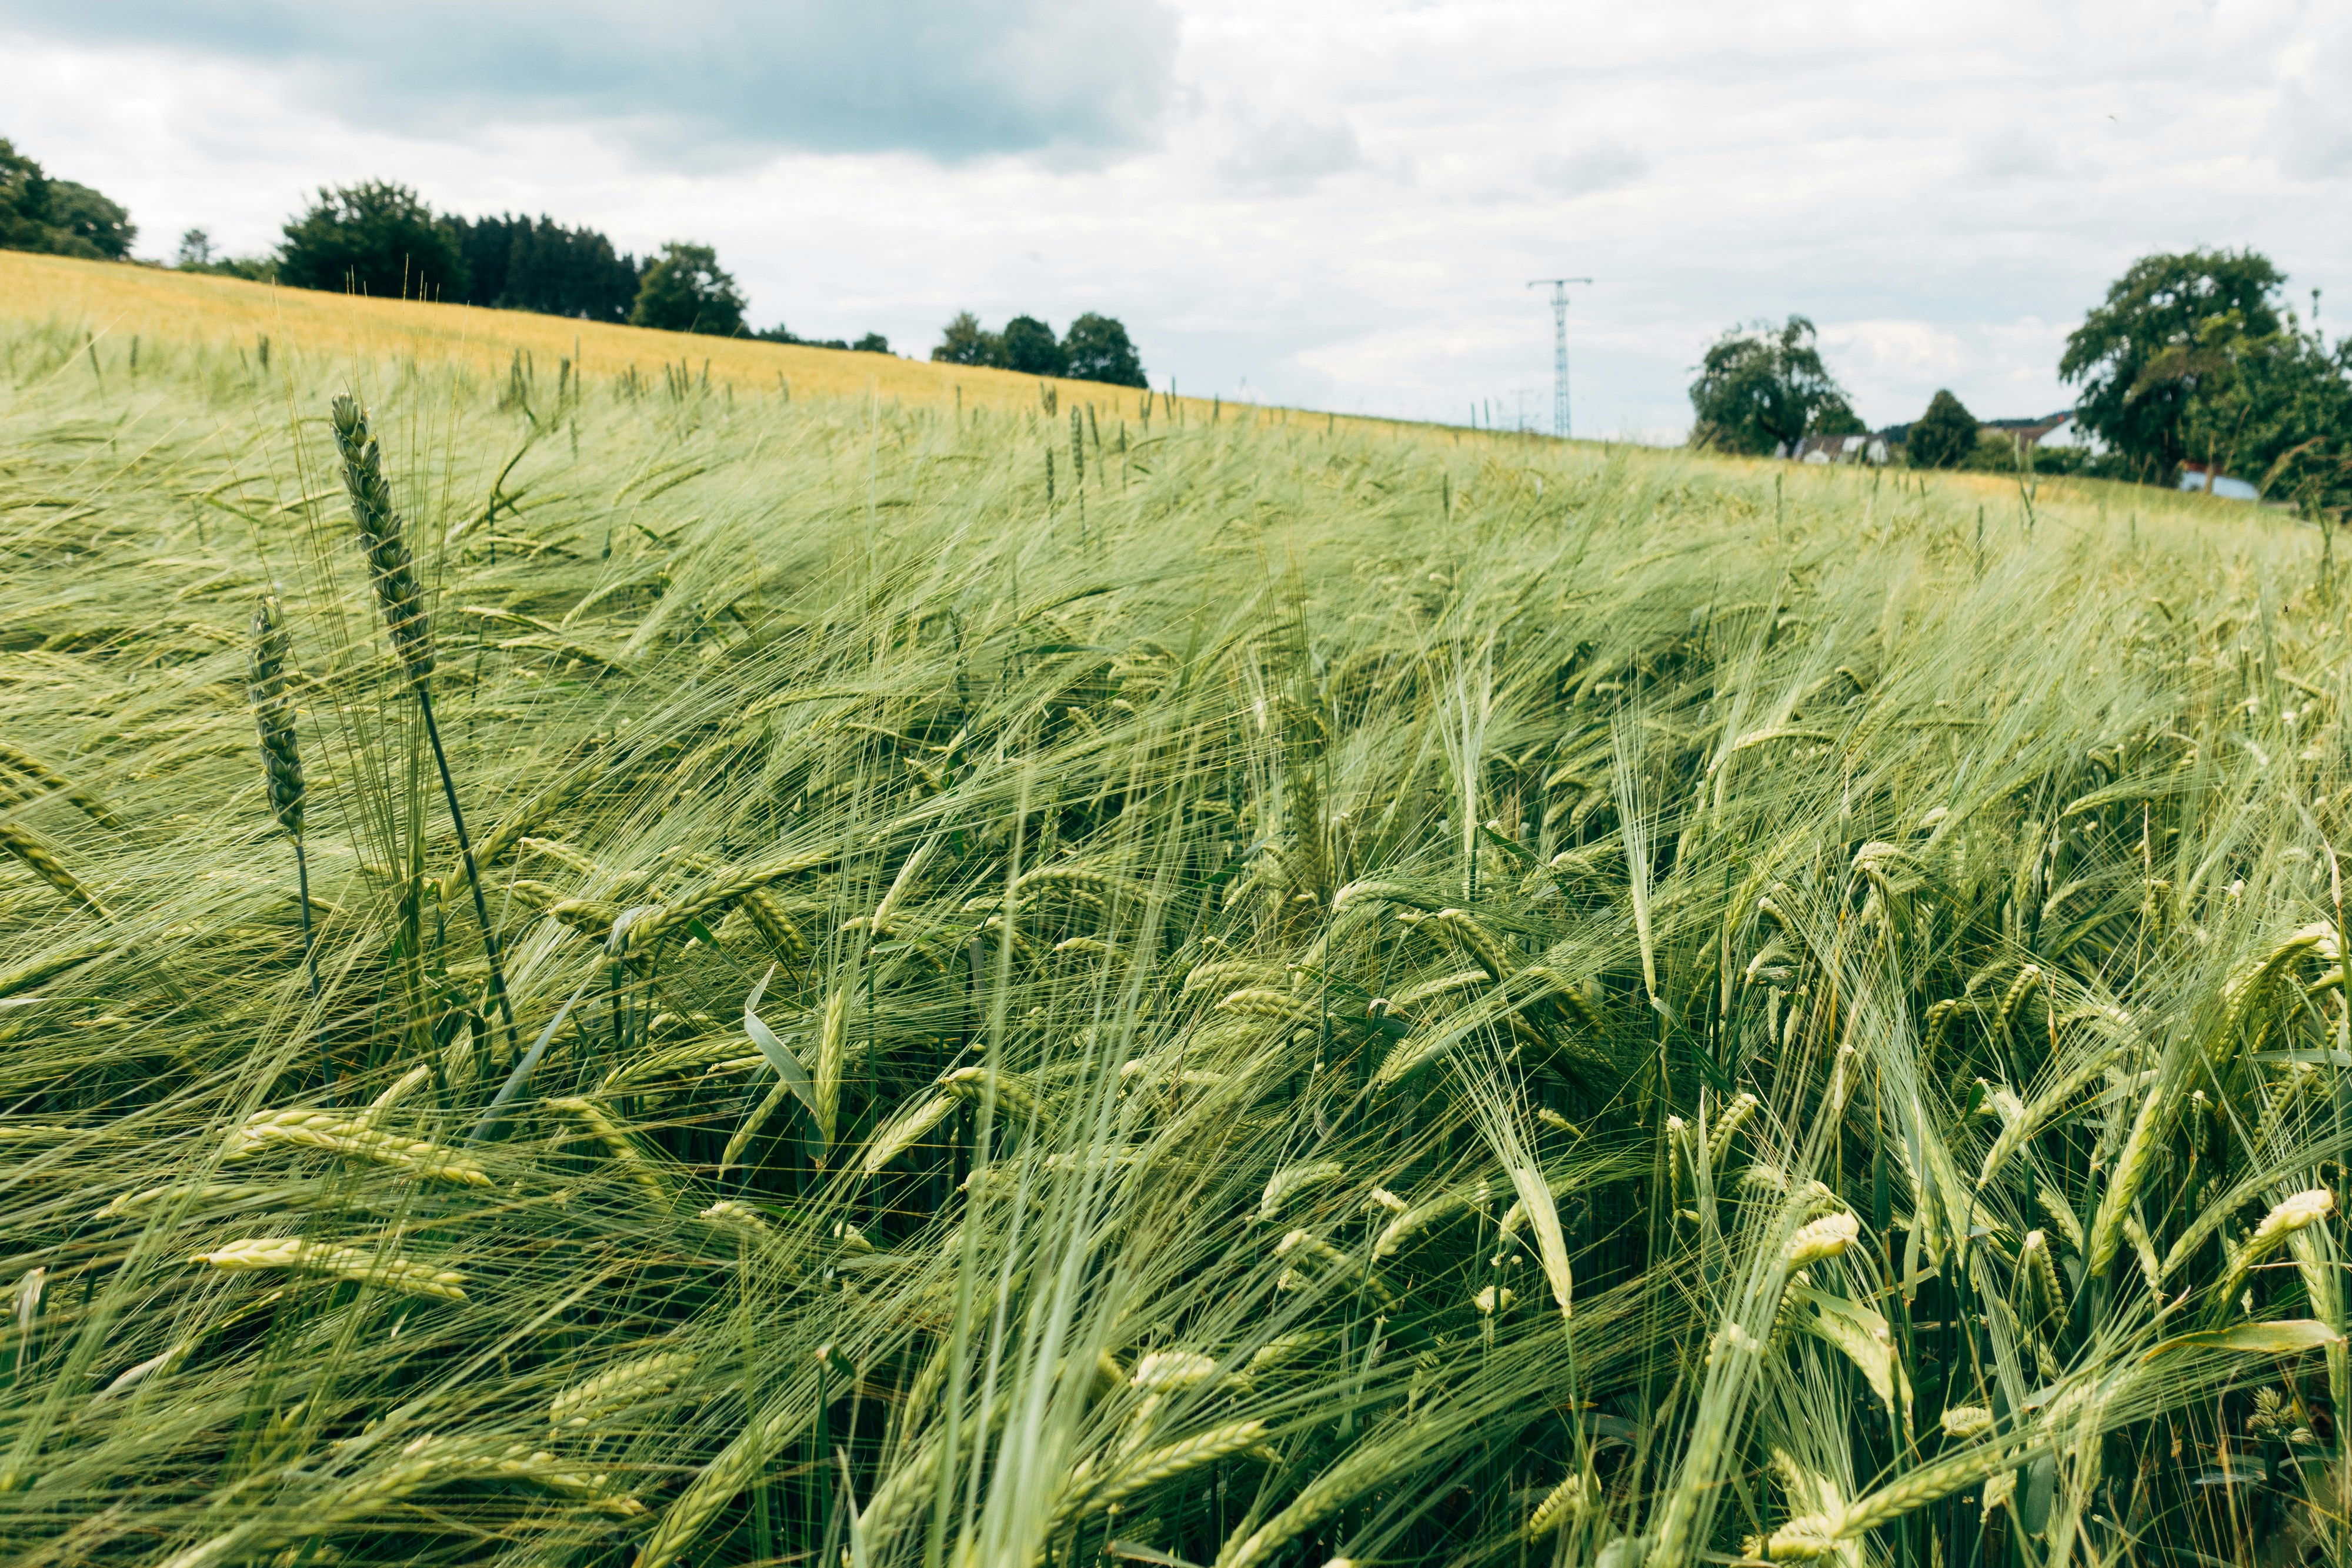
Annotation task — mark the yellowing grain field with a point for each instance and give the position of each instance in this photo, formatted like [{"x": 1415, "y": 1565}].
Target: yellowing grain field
[{"x": 118, "y": 303}]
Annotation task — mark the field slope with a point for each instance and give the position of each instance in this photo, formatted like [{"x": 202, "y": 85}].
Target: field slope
[
  {"x": 1318, "y": 995},
  {"x": 119, "y": 303}
]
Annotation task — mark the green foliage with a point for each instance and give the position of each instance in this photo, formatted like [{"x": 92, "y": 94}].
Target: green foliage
[
  {"x": 523, "y": 264},
  {"x": 376, "y": 238},
  {"x": 196, "y": 253},
  {"x": 1609, "y": 1012},
  {"x": 965, "y": 341},
  {"x": 1835, "y": 416},
  {"x": 871, "y": 343},
  {"x": 1096, "y": 348},
  {"x": 2275, "y": 409},
  {"x": 2141, "y": 355},
  {"x": 1763, "y": 386},
  {"x": 39, "y": 212},
  {"x": 1031, "y": 348},
  {"x": 2193, "y": 356},
  {"x": 685, "y": 290},
  {"x": 1944, "y": 437}
]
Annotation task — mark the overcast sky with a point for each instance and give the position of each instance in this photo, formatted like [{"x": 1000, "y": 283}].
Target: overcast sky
[{"x": 1306, "y": 202}]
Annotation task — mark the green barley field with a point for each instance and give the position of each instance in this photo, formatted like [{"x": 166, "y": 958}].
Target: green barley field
[{"x": 1027, "y": 989}]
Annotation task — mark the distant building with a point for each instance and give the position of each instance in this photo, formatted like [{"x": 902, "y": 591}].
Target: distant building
[
  {"x": 2029, "y": 432},
  {"x": 2068, "y": 432},
  {"x": 2197, "y": 477},
  {"x": 1836, "y": 449}
]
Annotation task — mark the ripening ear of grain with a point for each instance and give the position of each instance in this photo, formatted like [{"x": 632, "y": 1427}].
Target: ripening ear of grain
[{"x": 1410, "y": 1002}]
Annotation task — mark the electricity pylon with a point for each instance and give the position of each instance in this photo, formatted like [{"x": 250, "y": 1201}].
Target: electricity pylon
[{"x": 1559, "y": 349}]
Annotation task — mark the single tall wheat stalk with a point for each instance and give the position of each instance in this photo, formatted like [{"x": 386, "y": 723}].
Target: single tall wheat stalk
[
  {"x": 281, "y": 761},
  {"x": 412, "y": 633}
]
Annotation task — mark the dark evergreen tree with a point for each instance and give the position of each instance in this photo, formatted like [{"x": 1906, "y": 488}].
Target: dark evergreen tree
[
  {"x": 523, "y": 264},
  {"x": 376, "y": 238}
]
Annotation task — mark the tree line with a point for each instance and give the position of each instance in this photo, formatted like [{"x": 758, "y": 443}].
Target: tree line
[
  {"x": 381, "y": 238},
  {"x": 2193, "y": 357},
  {"x": 1096, "y": 348},
  {"x": 58, "y": 217}
]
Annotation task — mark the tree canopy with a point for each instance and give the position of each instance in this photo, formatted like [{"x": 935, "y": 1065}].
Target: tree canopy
[
  {"x": 39, "y": 212},
  {"x": 2143, "y": 354},
  {"x": 525, "y": 264},
  {"x": 1944, "y": 435},
  {"x": 966, "y": 341},
  {"x": 2194, "y": 357},
  {"x": 377, "y": 238},
  {"x": 1031, "y": 348},
  {"x": 1096, "y": 348},
  {"x": 1762, "y": 386},
  {"x": 685, "y": 290}
]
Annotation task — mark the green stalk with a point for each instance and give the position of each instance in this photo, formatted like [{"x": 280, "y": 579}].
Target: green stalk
[{"x": 403, "y": 601}]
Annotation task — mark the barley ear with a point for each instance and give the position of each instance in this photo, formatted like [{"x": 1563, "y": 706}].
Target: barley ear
[
  {"x": 412, "y": 633},
  {"x": 43, "y": 862},
  {"x": 273, "y": 713},
  {"x": 380, "y": 531},
  {"x": 48, "y": 778},
  {"x": 281, "y": 761}
]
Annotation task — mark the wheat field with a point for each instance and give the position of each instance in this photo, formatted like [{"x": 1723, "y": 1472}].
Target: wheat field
[
  {"x": 116, "y": 304},
  {"x": 1320, "y": 996}
]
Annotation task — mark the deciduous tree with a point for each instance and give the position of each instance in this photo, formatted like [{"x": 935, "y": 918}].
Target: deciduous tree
[
  {"x": 1761, "y": 387},
  {"x": 1096, "y": 348},
  {"x": 685, "y": 290},
  {"x": 37, "y": 212},
  {"x": 2141, "y": 356},
  {"x": 378, "y": 239},
  {"x": 1031, "y": 348}
]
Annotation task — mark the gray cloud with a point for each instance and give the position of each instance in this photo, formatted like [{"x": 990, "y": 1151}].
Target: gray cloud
[
  {"x": 2310, "y": 126},
  {"x": 952, "y": 79},
  {"x": 1290, "y": 154},
  {"x": 1597, "y": 166}
]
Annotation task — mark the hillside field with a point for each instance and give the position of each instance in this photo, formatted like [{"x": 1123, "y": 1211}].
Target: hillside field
[
  {"x": 119, "y": 304},
  {"x": 1331, "y": 993}
]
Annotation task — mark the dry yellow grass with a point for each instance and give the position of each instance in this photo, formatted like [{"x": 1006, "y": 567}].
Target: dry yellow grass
[{"x": 117, "y": 302}]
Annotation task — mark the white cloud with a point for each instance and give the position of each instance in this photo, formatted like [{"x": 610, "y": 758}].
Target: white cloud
[{"x": 1342, "y": 202}]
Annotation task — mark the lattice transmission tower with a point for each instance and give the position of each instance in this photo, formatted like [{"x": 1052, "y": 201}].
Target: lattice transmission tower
[{"x": 1559, "y": 286}]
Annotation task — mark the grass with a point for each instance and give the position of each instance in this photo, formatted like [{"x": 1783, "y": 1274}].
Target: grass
[{"x": 1334, "y": 995}]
